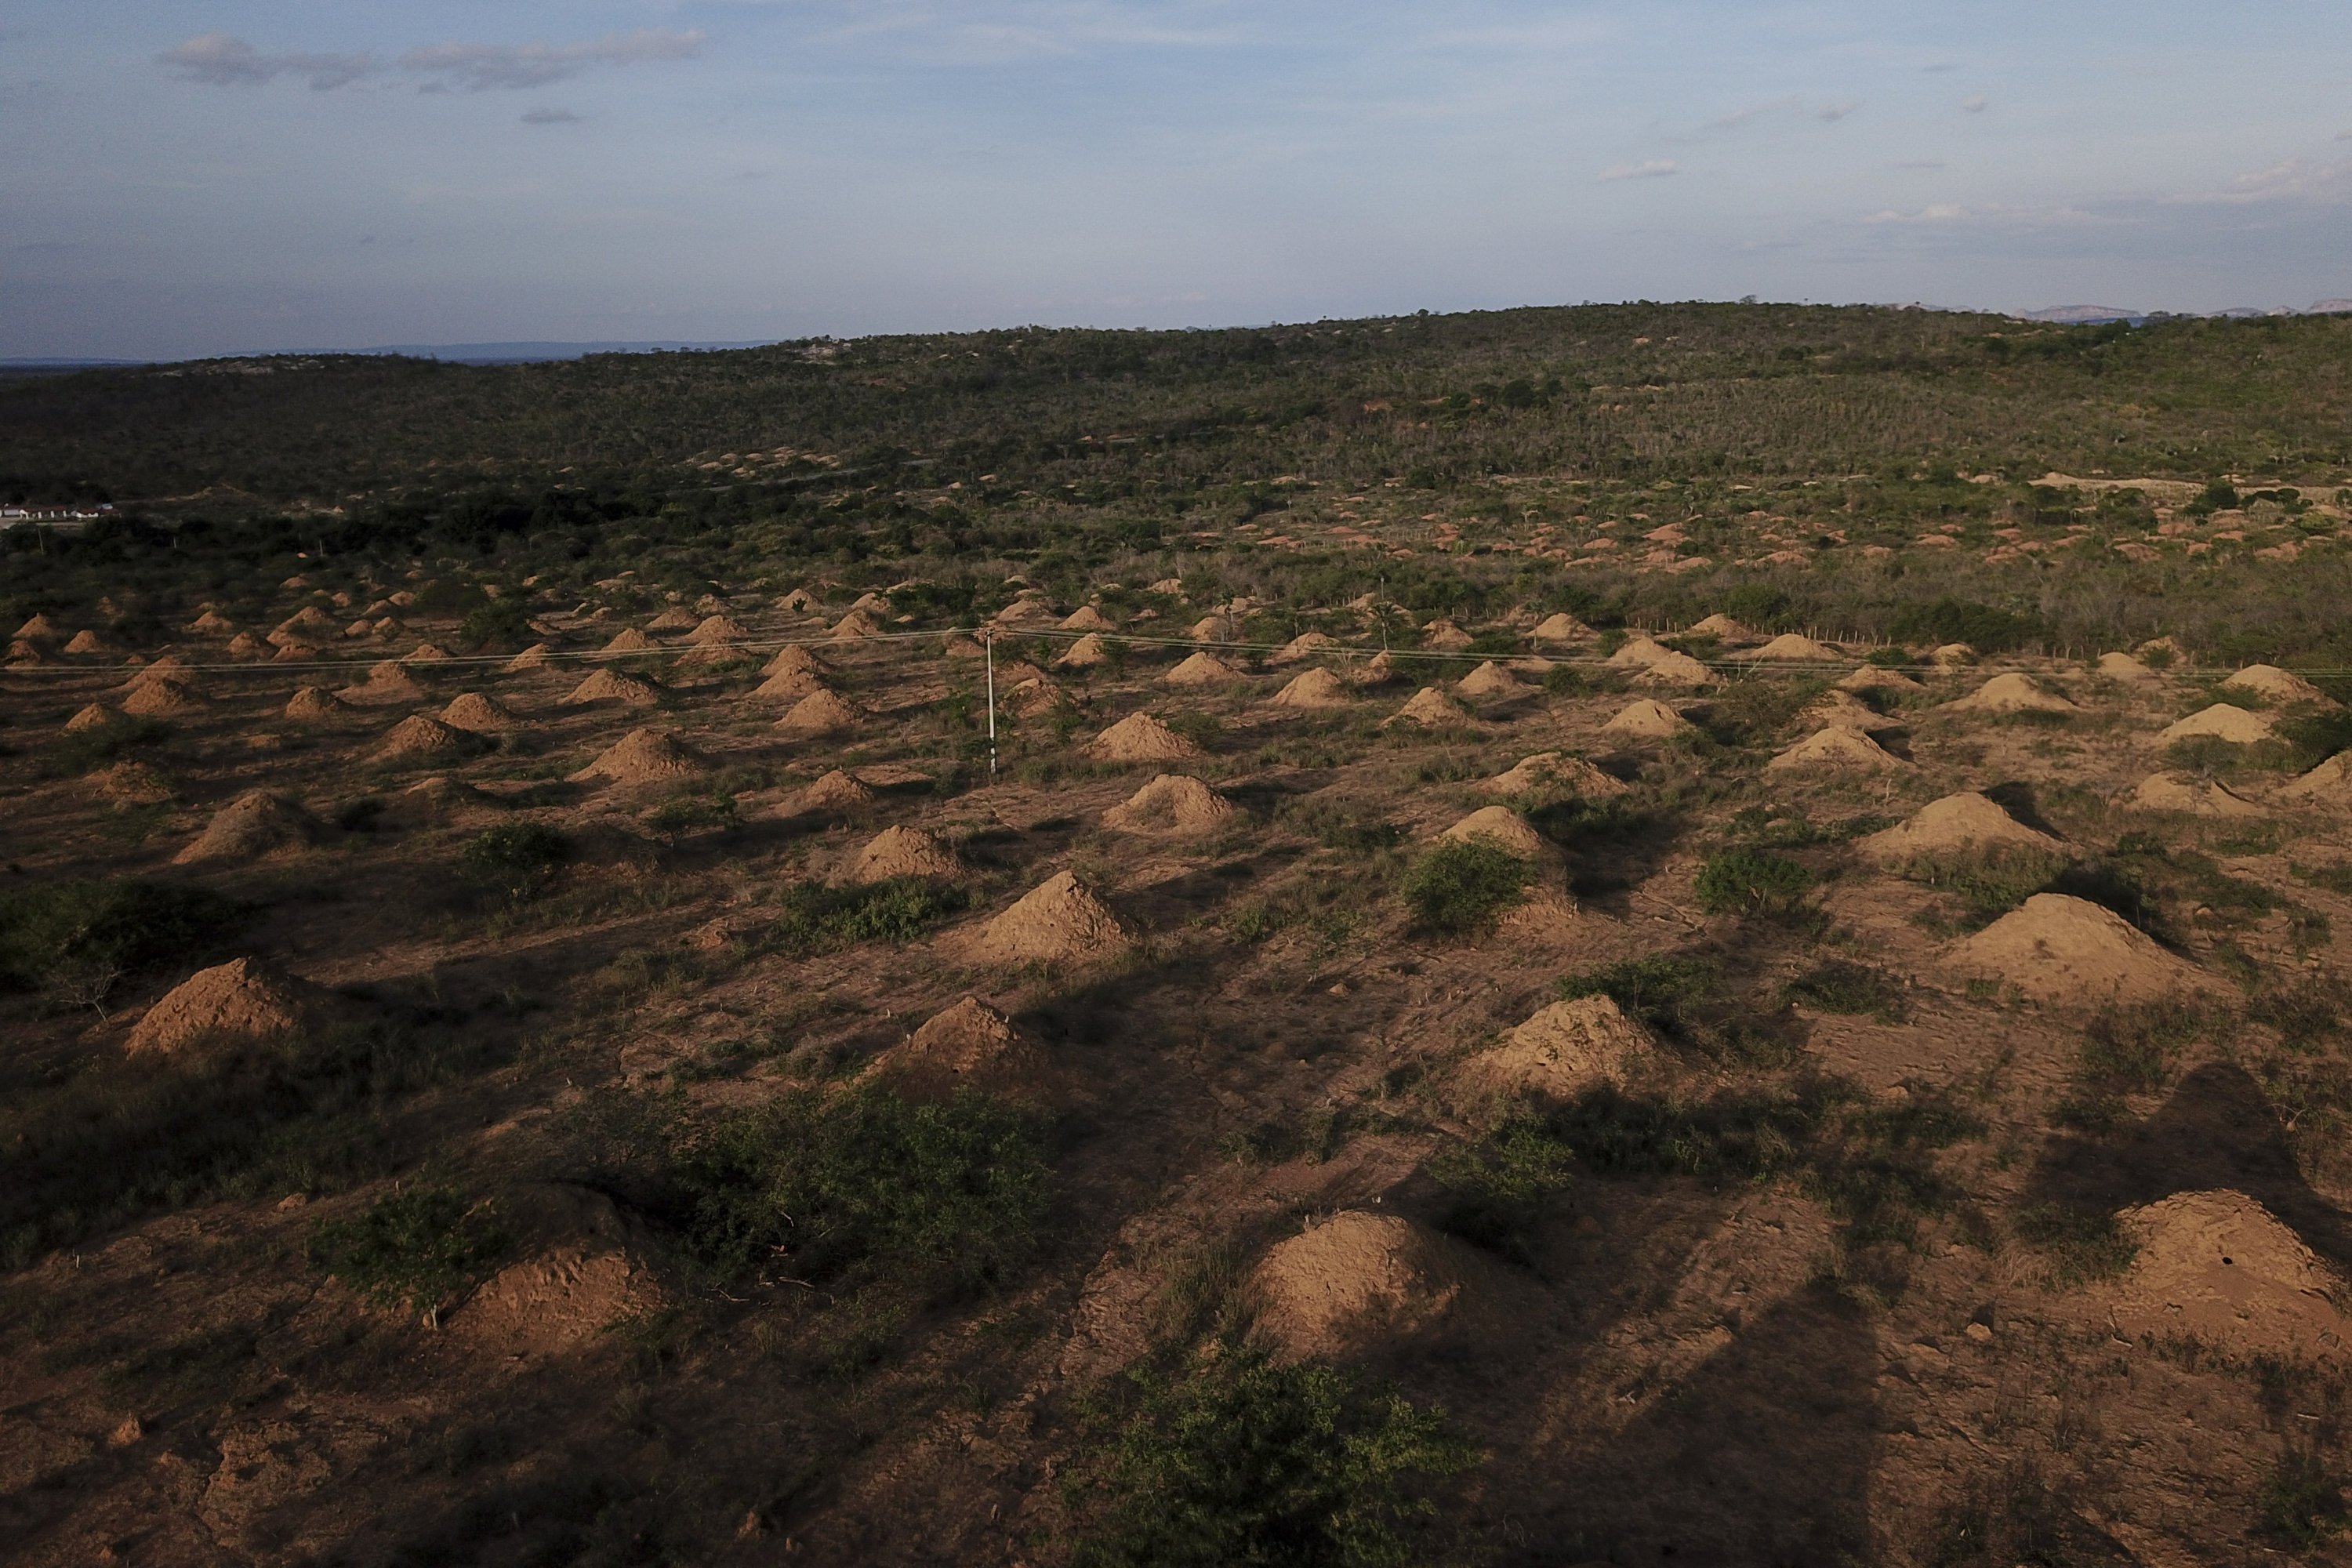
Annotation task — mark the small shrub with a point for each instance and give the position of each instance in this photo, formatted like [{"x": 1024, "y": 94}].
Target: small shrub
[
  {"x": 1203, "y": 729},
  {"x": 818, "y": 919},
  {"x": 1462, "y": 886},
  {"x": 2079, "y": 1244},
  {"x": 1748, "y": 880},
  {"x": 77, "y": 940},
  {"x": 1500, "y": 1183},
  {"x": 1981, "y": 626},
  {"x": 1665, "y": 993},
  {"x": 1850, "y": 989},
  {"x": 860, "y": 1187},
  {"x": 686, "y": 813},
  {"x": 417, "y": 1247},
  {"x": 1241, "y": 1460},
  {"x": 500, "y": 625},
  {"x": 516, "y": 858},
  {"x": 1991, "y": 883},
  {"x": 2301, "y": 1506}
]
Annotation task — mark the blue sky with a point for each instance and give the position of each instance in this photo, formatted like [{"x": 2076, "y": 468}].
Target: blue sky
[{"x": 190, "y": 176}]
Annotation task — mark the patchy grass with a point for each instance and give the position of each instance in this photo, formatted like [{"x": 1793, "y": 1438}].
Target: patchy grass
[
  {"x": 1500, "y": 1184},
  {"x": 1457, "y": 887},
  {"x": 418, "y": 1247},
  {"x": 818, "y": 919},
  {"x": 1746, "y": 881},
  {"x": 1849, "y": 989}
]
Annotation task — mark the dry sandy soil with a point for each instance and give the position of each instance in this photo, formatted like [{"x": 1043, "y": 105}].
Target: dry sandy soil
[{"x": 1252, "y": 1055}]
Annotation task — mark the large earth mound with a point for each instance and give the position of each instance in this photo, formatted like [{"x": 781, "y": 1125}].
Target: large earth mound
[
  {"x": 2013, "y": 693},
  {"x": 1554, "y": 773},
  {"x": 421, "y": 736},
  {"x": 641, "y": 757},
  {"x": 1640, "y": 653},
  {"x": 255, "y": 823},
  {"x": 1836, "y": 710},
  {"x": 2218, "y": 1268},
  {"x": 2222, "y": 721},
  {"x": 2191, "y": 795},
  {"x": 1791, "y": 648},
  {"x": 243, "y": 1002},
  {"x": 835, "y": 792},
  {"x": 1491, "y": 680},
  {"x": 1306, "y": 645},
  {"x": 2279, "y": 688},
  {"x": 1723, "y": 628},
  {"x": 1559, "y": 628},
  {"x": 1172, "y": 804},
  {"x": 904, "y": 852},
  {"x": 1871, "y": 678},
  {"x": 311, "y": 706},
  {"x": 612, "y": 686},
  {"x": 1836, "y": 750},
  {"x": 1648, "y": 720},
  {"x": 717, "y": 631},
  {"x": 1140, "y": 738},
  {"x": 1565, "y": 1049},
  {"x": 482, "y": 714},
  {"x": 2059, "y": 949},
  {"x": 631, "y": 640},
  {"x": 1677, "y": 669},
  {"x": 91, "y": 716},
  {"x": 387, "y": 682},
  {"x": 1086, "y": 618},
  {"x": 1355, "y": 1279},
  {"x": 1088, "y": 652},
  {"x": 820, "y": 712},
  {"x": 2329, "y": 783},
  {"x": 163, "y": 698},
  {"x": 1503, "y": 829},
  {"x": 968, "y": 1045},
  {"x": 789, "y": 686},
  {"x": 1955, "y": 824},
  {"x": 1055, "y": 921},
  {"x": 1313, "y": 688},
  {"x": 1432, "y": 710},
  {"x": 795, "y": 658},
  {"x": 854, "y": 625},
  {"x": 2124, "y": 668},
  {"x": 1203, "y": 668}
]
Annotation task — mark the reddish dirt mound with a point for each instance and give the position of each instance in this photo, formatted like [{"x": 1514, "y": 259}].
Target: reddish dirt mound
[
  {"x": 1354, "y": 1280},
  {"x": 855, "y": 624},
  {"x": 2061, "y": 949},
  {"x": 163, "y": 698},
  {"x": 1214, "y": 628},
  {"x": 796, "y": 657},
  {"x": 789, "y": 685},
  {"x": 1491, "y": 680},
  {"x": 1055, "y": 921},
  {"x": 386, "y": 683},
  {"x": 716, "y": 631},
  {"x": 1565, "y": 1049},
  {"x": 1640, "y": 653},
  {"x": 255, "y": 823},
  {"x": 2124, "y": 668},
  {"x": 2013, "y": 693},
  {"x": 2222, "y": 722},
  {"x": 819, "y": 713},
  {"x": 1677, "y": 669},
  {"x": 797, "y": 601},
  {"x": 2191, "y": 795},
  {"x": 1377, "y": 670},
  {"x": 133, "y": 783},
  {"x": 968, "y": 1045},
  {"x": 245, "y": 645},
  {"x": 1503, "y": 829},
  {"x": 1086, "y": 653},
  {"x": 1140, "y": 738},
  {"x": 836, "y": 790},
  {"x": 1037, "y": 694},
  {"x": 1836, "y": 710},
  {"x": 532, "y": 657},
  {"x": 1870, "y": 678},
  {"x": 435, "y": 799},
  {"x": 311, "y": 706},
  {"x": 1560, "y": 628},
  {"x": 482, "y": 714},
  {"x": 1791, "y": 648},
  {"x": 428, "y": 653},
  {"x": 1952, "y": 656},
  {"x": 1648, "y": 720},
  {"x": 1086, "y": 618},
  {"x": 1724, "y": 628},
  {"x": 1172, "y": 804},
  {"x": 1955, "y": 824},
  {"x": 1838, "y": 750},
  {"x": 1306, "y": 645},
  {"x": 2279, "y": 688},
  {"x": 1200, "y": 670},
  {"x": 307, "y": 621},
  {"x": 2218, "y": 1268},
  {"x": 170, "y": 664},
  {"x": 611, "y": 686},
  {"x": 631, "y": 640},
  {"x": 676, "y": 618},
  {"x": 1554, "y": 773},
  {"x": 96, "y": 716},
  {"x": 419, "y": 736},
  {"x": 903, "y": 852},
  {"x": 1432, "y": 710},
  {"x": 2329, "y": 783},
  {"x": 644, "y": 756},
  {"x": 1313, "y": 688},
  {"x": 239, "y": 1003},
  {"x": 1444, "y": 635},
  {"x": 212, "y": 623},
  {"x": 38, "y": 628}
]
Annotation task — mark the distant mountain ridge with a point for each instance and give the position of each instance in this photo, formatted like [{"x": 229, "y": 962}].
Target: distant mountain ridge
[{"x": 2100, "y": 315}]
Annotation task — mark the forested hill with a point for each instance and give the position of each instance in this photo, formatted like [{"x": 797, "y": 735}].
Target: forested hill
[{"x": 1619, "y": 393}]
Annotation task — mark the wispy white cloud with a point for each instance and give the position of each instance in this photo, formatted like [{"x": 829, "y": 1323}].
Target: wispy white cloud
[
  {"x": 480, "y": 67},
  {"x": 550, "y": 117},
  {"x": 223, "y": 59},
  {"x": 2289, "y": 180},
  {"x": 1654, "y": 169},
  {"x": 1792, "y": 108}
]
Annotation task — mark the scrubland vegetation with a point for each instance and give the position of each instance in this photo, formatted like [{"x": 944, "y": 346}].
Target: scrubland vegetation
[{"x": 1598, "y": 935}]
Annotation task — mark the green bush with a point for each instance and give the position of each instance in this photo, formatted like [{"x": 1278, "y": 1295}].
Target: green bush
[
  {"x": 855, "y": 1187},
  {"x": 1991, "y": 881},
  {"x": 1748, "y": 880},
  {"x": 79, "y": 939},
  {"x": 417, "y": 1247},
  {"x": 1240, "y": 1461},
  {"x": 516, "y": 858},
  {"x": 2302, "y": 1505},
  {"x": 1500, "y": 1183},
  {"x": 819, "y": 919},
  {"x": 1981, "y": 626},
  {"x": 1664, "y": 993},
  {"x": 500, "y": 625},
  {"x": 1850, "y": 989},
  {"x": 1462, "y": 886}
]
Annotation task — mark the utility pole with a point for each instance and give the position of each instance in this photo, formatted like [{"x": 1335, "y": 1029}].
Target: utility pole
[{"x": 988, "y": 644}]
